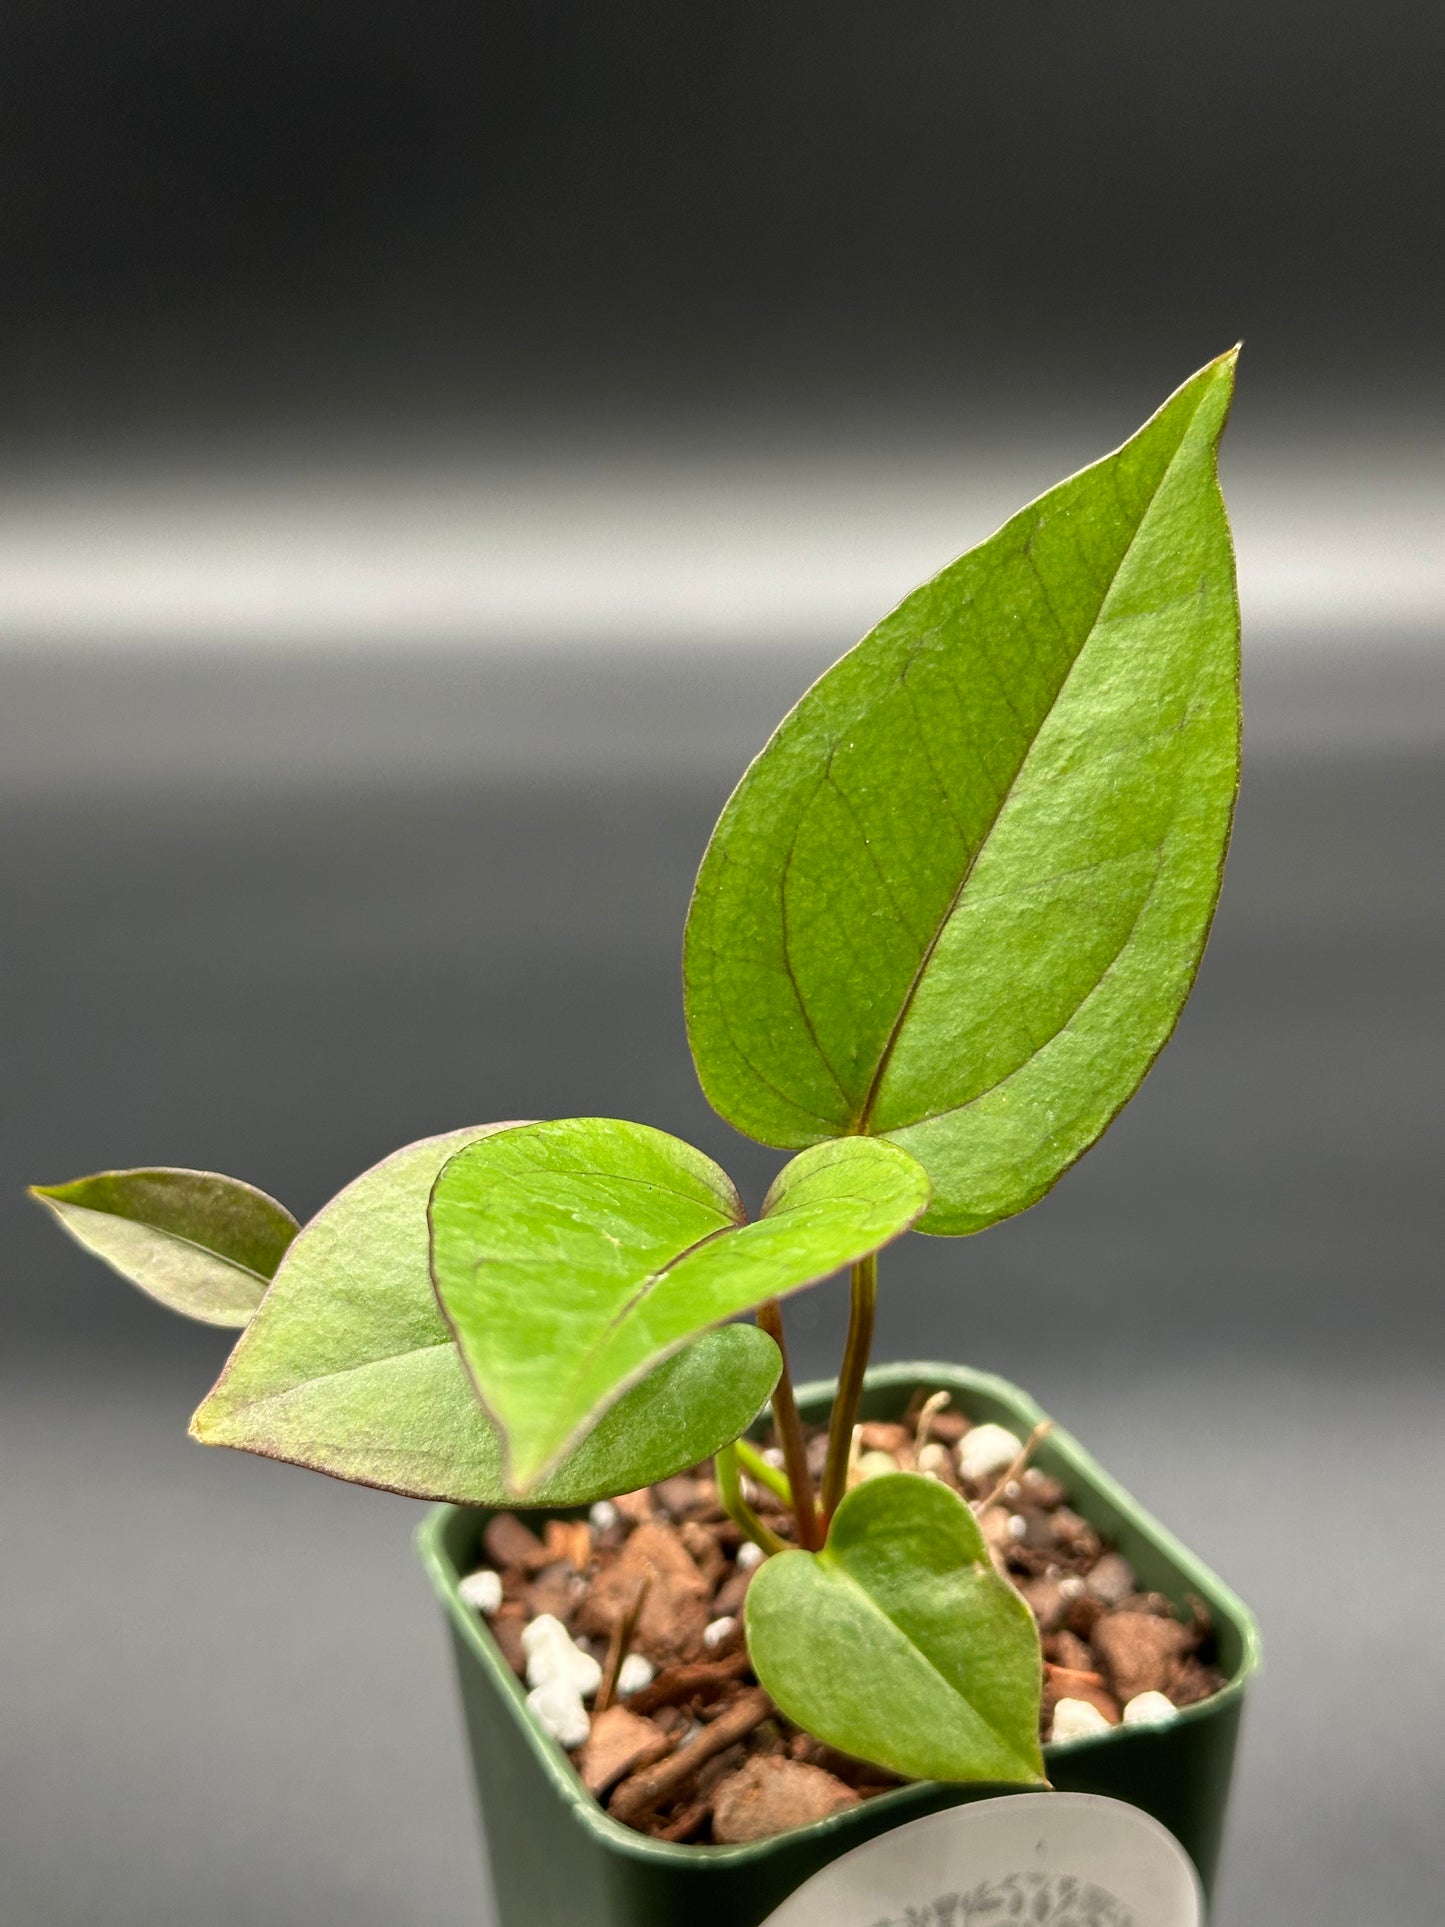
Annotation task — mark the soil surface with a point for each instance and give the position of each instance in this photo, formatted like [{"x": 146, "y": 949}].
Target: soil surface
[{"x": 681, "y": 1741}]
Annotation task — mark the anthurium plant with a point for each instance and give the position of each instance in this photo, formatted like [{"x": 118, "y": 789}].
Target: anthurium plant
[{"x": 945, "y": 924}]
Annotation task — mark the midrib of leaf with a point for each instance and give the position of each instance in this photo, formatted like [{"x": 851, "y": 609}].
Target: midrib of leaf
[
  {"x": 895, "y": 1032},
  {"x": 176, "y": 1238},
  {"x": 952, "y": 1110},
  {"x": 656, "y": 1278},
  {"x": 620, "y": 1317},
  {"x": 334, "y": 1371},
  {"x": 834, "y": 1565},
  {"x": 652, "y": 1279}
]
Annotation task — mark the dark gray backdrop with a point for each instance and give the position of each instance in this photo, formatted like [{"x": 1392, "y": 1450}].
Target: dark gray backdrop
[{"x": 221, "y": 210}]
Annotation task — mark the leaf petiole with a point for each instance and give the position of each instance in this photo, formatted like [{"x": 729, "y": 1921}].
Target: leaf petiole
[
  {"x": 862, "y": 1308},
  {"x": 730, "y": 1491},
  {"x": 790, "y": 1434},
  {"x": 759, "y": 1468}
]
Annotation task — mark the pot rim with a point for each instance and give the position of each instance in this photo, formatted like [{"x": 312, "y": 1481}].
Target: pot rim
[{"x": 1060, "y": 1446}]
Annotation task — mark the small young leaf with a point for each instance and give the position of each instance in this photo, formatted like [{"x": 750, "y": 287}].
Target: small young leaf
[
  {"x": 205, "y": 1245},
  {"x": 961, "y": 896},
  {"x": 571, "y": 1257},
  {"x": 349, "y": 1368},
  {"x": 899, "y": 1643}
]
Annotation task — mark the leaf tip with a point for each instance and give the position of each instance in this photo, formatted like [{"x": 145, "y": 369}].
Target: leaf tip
[
  {"x": 1037, "y": 1776},
  {"x": 1031, "y": 1771},
  {"x": 1225, "y": 367},
  {"x": 206, "y": 1425}
]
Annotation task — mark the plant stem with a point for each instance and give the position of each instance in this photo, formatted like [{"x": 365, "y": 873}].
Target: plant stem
[
  {"x": 730, "y": 1491},
  {"x": 757, "y": 1467},
  {"x": 850, "y": 1382},
  {"x": 790, "y": 1433}
]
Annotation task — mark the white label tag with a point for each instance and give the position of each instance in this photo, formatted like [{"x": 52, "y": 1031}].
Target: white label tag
[{"x": 1048, "y": 1859}]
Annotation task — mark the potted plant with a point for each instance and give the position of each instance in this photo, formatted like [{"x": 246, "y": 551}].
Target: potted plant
[{"x": 942, "y": 929}]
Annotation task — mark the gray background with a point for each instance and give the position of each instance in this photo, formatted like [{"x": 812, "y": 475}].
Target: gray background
[{"x": 439, "y": 444}]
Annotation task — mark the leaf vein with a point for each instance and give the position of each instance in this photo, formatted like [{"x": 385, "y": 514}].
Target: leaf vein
[{"x": 792, "y": 975}]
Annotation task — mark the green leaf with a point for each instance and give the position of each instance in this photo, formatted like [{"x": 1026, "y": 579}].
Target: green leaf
[
  {"x": 203, "y": 1244},
  {"x": 899, "y": 1643},
  {"x": 961, "y": 896},
  {"x": 571, "y": 1257},
  {"x": 350, "y": 1369}
]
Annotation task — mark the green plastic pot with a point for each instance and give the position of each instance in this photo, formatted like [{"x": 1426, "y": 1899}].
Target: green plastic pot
[{"x": 558, "y": 1860}]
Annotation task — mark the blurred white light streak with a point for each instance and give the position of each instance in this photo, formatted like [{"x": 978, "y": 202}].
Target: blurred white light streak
[{"x": 598, "y": 554}]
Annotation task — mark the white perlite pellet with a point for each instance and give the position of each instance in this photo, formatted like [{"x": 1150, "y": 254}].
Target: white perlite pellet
[
  {"x": 604, "y": 1515},
  {"x": 987, "y": 1450},
  {"x": 635, "y": 1672},
  {"x": 1149, "y": 1709},
  {"x": 553, "y": 1659},
  {"x": 1077, "y": 1720},
  {"x": 750, "y": 1556},
  {"x": 483, "y": 1590},
  {"x": 558, "y": 1707},
  {"x": 560, "y": 1675},
  {"x": 717, "y": 1632},
  {"x": 933, "y": 1460}
]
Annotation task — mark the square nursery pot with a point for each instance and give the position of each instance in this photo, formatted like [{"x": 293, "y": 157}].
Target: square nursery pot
[{"x": 559, "y": 1860}]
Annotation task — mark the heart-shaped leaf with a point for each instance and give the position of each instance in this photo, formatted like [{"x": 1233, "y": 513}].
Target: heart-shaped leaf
[
  {"x": 203, "y": 1244},
  {"x": 899, "y": 1643},
  {"x": 349, "y": 1367},
  {"x": 571, "y": 1257},
  {"x": 961, "y": 896}
]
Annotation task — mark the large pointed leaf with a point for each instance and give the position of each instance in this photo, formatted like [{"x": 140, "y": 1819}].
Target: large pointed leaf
[
  {"x": 350, "y": 1369},
  {"x": 899, "y": 1643},
  {"x": 571, "y": 1257},
  {"x": 961, "y": 896},
  {"x": 201, "y": 1243}
]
